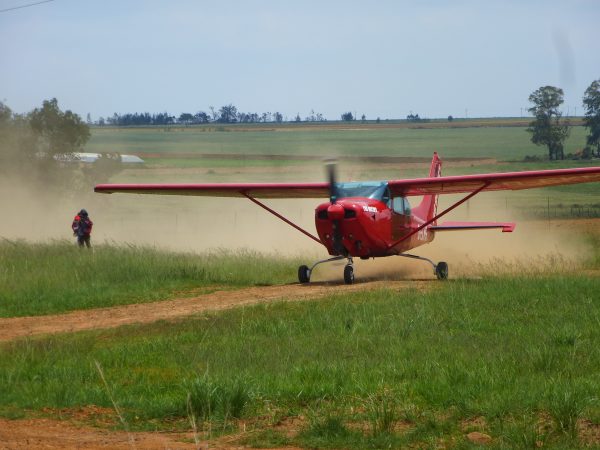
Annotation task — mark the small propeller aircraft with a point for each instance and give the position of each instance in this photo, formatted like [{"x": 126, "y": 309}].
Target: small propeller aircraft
[{"x": 374, "y": 219}]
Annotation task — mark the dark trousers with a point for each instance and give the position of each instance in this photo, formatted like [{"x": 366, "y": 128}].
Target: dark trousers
[{"x": 84, "y": 240}]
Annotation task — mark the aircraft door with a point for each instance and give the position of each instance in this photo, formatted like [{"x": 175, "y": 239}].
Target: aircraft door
[{"x": 400, "y": 217}]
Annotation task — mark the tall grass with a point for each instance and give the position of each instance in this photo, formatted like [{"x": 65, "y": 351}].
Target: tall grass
[
  {"x": 209, "y": 400},
  {"x": 44, "y": 278}
]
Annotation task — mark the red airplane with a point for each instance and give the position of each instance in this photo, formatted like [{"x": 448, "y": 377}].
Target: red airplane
[{"x": 375, "y": 219}]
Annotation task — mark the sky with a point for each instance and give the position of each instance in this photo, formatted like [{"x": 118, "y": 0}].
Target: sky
[{"x": 382, "y": 58}]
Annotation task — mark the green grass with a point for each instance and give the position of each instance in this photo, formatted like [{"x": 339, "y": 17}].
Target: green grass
[
  {"x": 45, "y": 278},
  {"x": 221, "y": 163},
  {"x": 503, "y": 143},
  {"x": 517, "y": 351}
]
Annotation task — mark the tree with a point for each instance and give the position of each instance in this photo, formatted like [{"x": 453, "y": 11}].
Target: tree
[
  {"x": 228, "y": 114},
  {"x": 185, "y": 118},
  {"x": 214, "y": 113},
  {"x": 17, "y": 143},
  {"x": 201, "y": 117},
  {"x": 591, "y": 102},
  {"x": 40, "y": 146},
  {"x": 277, "y": 117},
  {"x": 547, "y": 128},
  {"x": 347, "y": 116},
  {"x": 5, "y": 129},
  {"x": 450, "y": 118},
  {"x": 58, "y": 132},
  {"x": 5, "y": 114}
]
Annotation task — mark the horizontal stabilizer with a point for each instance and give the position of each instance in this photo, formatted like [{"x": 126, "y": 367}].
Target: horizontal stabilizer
[{"x": 507, "y": 227}]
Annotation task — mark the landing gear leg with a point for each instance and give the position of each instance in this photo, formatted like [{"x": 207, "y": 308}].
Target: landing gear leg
[
  {"x": 440, "y": 270},
  {"x": 304, "y": 272}
]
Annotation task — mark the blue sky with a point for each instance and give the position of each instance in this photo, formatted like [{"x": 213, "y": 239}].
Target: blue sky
[{"x": 380, "y": 58}]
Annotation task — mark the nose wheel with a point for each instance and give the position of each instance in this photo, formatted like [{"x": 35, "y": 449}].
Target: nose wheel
[{"x": 348, "y": 274}]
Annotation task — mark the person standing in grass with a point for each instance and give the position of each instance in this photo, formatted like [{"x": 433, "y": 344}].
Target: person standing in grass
[{"x": 82, "y": 228}]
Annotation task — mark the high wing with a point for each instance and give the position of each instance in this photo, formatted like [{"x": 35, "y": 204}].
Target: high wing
[
  {"x": 494, "y": 181},
  {"x": 256, "y": 190},
  {"x": 416, "y": 186}
]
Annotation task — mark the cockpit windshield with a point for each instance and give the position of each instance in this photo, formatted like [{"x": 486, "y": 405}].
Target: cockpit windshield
[{"x": 376, "y": 190}]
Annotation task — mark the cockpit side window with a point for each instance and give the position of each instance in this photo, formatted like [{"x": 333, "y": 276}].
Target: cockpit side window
[
  {"x": 407, "y": 210},
  {"x": 401, "y": 206}
]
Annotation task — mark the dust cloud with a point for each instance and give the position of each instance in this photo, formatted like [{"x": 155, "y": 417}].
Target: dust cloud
[
  {"x": 199, "y": 224},
  {"x": 534, "y": 246}
]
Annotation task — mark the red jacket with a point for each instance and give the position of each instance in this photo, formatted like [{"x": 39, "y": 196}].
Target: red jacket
[{"x": 82, "y": 226}]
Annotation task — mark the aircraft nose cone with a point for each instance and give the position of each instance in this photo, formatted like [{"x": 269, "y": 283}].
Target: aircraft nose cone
[{"x": 335, "y": 212}]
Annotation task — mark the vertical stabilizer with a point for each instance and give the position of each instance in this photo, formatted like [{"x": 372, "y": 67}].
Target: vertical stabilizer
[{"x": 428, "y": 206}]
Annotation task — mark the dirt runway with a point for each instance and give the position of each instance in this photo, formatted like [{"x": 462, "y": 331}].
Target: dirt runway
[
  {"x": 71, "y": 434},
  {"x": 19, "y": 327}
]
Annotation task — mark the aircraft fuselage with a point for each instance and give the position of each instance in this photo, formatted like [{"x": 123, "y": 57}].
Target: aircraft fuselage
[{"x": 368, "y": 228}]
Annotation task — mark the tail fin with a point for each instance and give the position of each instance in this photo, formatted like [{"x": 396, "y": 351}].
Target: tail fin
[{"x": 428, "y": 206}]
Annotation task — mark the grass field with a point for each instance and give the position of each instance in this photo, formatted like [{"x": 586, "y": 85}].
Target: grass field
[
  {"x": 38, "y": 279},
  {"x": 513, "y": 355},
  {"x": 500, "y": 142}
]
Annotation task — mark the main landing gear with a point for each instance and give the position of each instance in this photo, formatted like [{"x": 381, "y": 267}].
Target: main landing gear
[
  {"x": 440, "y": 270},
  {"x": 304, "y": 272}
]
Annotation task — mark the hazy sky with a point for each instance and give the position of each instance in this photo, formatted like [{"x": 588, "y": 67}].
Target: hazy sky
[{"x": 380, "y": 58}]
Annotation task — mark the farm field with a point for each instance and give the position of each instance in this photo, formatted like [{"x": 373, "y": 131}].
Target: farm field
[
  {"x": 500, "y": 142},
  {"x": 185, "y": 327},
  {"x": 397, "y": 150}
]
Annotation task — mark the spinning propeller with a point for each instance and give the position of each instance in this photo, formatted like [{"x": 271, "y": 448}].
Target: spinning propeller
[
  {"x": 330, "y": 166},
  {"x": 335, "y": 211}
]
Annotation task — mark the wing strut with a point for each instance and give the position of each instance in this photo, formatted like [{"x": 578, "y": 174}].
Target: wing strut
[
  {"x": 443, "y": 213},
  {"x": 279, "y": 216}
]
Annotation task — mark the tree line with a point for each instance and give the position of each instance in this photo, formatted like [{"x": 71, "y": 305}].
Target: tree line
[{"x": 225, "y": 114}]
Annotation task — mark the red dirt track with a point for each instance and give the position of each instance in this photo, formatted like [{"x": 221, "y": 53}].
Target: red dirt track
[
  {"x": 55, "y": 434},
  {"x": 19, "y": 327}
]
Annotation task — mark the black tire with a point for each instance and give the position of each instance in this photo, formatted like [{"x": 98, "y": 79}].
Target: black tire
[
  {"x": 348, "y": 275},
  {"x": 441, "y": 271},
  {"x": 303, "y": 274}
]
